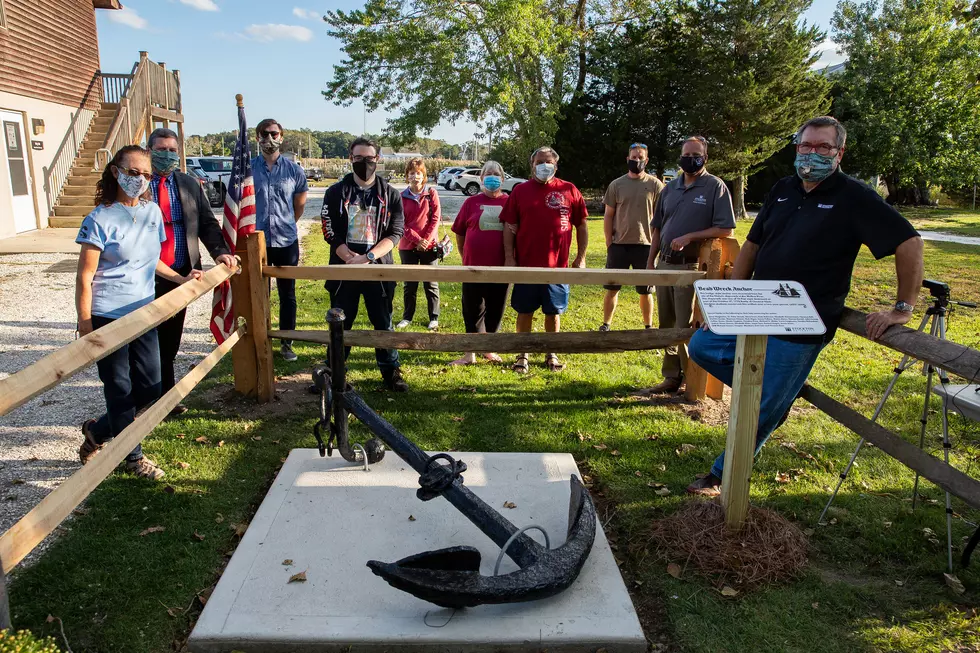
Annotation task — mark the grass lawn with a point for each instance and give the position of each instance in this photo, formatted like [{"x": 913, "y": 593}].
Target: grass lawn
[
  {"x": 961, "y": 222},
  {"x": 874, "y": 583}
]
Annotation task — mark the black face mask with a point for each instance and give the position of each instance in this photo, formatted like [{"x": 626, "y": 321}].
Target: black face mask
[
  {"x": 691, "y": 164},
  {"x": 365, "y": 169},
  {"x": 636, "y": 167}
]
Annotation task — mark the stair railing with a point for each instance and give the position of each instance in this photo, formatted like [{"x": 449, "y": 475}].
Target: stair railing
[{"x": 56, "y": 174}]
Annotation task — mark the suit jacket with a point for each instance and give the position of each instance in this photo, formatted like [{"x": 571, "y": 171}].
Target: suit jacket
[{"x": 199, "y": 221}]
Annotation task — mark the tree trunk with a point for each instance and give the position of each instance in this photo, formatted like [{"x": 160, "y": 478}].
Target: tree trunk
[
  {"x": 738, "y": 196},
  {"x": 582, "y": 57}
]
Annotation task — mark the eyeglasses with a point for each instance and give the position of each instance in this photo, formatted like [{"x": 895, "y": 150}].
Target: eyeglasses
[
  {"x": 133, "y": 172},
  {"x": 819, "y": 148},
  {"x": 358, "y": 159},
  {"x": 643, "y": 145},
  {"x": 267, "y": 134}
]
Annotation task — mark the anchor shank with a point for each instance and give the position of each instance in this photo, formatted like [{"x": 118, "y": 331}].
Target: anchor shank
[{"x": 524, "y": 550}]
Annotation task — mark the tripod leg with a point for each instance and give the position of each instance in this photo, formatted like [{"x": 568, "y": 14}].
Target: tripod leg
[
  {"x": 925, "y": 408},
  {"x": 902, "y": 366},
  {"x": 944, "y": 379}
]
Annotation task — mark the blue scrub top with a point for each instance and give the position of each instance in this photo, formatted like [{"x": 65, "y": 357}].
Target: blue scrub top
[{"x": 129, "y": 238}]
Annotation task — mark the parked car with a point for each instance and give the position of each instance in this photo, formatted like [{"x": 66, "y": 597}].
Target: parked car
[
  {"x": 469, "y": 182},
  {"x": 218, "y": 170},
  {"x": 446, "y": 175},
  {"x": 316, "y": 174},
  {"x": 215, "y": 198}
]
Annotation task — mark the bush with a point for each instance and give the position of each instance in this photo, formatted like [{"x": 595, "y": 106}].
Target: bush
[{"x": 24, "y": 642}]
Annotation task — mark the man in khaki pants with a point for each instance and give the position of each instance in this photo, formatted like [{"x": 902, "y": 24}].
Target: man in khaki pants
[{"x": 694, "y": 206}]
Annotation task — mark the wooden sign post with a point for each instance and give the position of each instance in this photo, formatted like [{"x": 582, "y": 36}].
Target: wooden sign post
[{"x": 751, "y": 311}]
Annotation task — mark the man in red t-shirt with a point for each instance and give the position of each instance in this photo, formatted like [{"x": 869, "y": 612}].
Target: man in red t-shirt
[{"x": 540, "y": 215}]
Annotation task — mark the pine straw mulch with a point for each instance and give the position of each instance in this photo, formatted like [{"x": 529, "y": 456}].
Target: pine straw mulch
[{"x": 769, "y": 549}]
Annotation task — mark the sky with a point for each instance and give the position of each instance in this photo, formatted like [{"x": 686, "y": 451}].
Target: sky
[{"x": 276, "y": 54}]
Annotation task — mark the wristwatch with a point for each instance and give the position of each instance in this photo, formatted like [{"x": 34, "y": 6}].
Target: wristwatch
[
  {"x": 370, "y": 257},
  {"x": 904, "y": 307}
]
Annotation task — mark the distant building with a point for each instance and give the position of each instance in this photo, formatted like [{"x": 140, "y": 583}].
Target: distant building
[{"x": 391, "y": 155}]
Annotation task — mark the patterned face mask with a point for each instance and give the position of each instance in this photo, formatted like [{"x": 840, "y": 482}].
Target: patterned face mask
[
  {"x": 814, "y": 166},
  {"x": 133, "y": 186},
  {"x": 164, "y": 161}
]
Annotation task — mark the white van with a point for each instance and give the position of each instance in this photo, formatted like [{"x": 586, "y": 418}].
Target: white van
[{"x": 218, "y": 170}]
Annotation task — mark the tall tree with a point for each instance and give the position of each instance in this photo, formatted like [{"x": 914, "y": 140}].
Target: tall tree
[
  {"x": 910, "y": 94},
  {"x": 509, "y": 64},
  {"x": 752, "y": 63}
]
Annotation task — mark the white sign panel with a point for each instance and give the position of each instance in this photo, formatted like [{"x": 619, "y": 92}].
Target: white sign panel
[{"x": 764, "y": 308}]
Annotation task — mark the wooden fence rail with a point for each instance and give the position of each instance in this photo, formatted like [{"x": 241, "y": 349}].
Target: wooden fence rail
[{"x": 62, "y": 364}]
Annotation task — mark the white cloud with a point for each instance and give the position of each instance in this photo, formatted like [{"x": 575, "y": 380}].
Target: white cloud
[
  {"x": 202, "y": 5},
  {"x": 128, "y": 17},
  {"x": 276, "y": 32},
  {"x": 829, "y": 55},
  {"x": 307, "y": 14}
]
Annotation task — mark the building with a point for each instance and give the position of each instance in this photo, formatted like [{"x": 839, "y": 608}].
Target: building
[{"x": 61, "y": 117}]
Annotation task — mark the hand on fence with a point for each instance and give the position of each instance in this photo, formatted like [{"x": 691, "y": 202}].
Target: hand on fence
[
  {"x": 510, "y": 262},
  {"x": 579, "y": 261},
  {"x": 195, "y": 274},
  {"x": 876, "y": 324},
  {"x": 227, "y": 259}
]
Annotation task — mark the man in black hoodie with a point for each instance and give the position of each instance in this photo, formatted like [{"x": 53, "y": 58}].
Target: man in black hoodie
[{"x": 362, "y": 221}]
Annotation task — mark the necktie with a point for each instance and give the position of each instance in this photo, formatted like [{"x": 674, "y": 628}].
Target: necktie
[{"x": 167, "y": 254}]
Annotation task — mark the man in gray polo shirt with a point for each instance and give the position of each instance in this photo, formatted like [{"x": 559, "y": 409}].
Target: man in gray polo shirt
[{"x": 691, "y": 208}]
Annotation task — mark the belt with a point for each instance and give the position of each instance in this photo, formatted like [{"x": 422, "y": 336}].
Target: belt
[{"x": 676, "y": 258}]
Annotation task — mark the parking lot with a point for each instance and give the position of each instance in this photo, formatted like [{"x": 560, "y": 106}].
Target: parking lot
[{"x": 450, "y": 200}]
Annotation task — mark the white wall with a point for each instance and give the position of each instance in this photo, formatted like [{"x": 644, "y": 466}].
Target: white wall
[{"x": 57, "y": 118}]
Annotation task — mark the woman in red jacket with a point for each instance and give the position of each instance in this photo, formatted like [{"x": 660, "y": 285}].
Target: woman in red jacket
[{"x": 418, "y": 245}]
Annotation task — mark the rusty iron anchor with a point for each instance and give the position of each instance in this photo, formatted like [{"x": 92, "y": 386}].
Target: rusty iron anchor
[{"x": 451, "y": 577}]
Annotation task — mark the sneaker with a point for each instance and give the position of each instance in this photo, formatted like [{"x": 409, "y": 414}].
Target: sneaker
[
  {"x": 604, "y": 327},
  {"x": 145, "y": 468},
  {"x": 433, "y": 325},
  {"x": 709, "y": 486},
  {"x": 666, "y": 387},
  {"x": 89, "y": 446},
  {"x": 287, "y": 352},
  {"x": 396, "y": 382},
  {"x": 403, "y": 324}
]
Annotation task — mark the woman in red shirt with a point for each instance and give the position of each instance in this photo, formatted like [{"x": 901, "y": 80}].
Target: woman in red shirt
[
  {"x": 480, "y": 238},
  {"x": 418, "y": 245}
]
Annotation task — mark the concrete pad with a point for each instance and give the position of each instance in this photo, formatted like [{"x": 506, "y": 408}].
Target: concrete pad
[
  {"x": 330, "y": 517},
  {"x": 42, "y": 241}
]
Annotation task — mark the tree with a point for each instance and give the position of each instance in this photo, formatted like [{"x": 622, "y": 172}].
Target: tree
[
  {"x": 910, "y": 94},
  {"x": 509, "y": 64},
  {"x": 752, "y": 68}
]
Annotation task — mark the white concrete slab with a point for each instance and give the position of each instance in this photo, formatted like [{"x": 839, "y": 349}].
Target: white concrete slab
[{"x": 330, "y": 517}]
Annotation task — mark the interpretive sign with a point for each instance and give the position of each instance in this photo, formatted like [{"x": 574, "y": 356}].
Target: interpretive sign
[{"x": 765, "y": 308}]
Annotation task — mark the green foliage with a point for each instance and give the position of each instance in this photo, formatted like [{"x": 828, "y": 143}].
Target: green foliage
[
  {"x": 909, "y": 95},
  {"x": 24, "y": 642}
]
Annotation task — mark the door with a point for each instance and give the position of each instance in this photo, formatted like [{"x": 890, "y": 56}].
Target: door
[{"x": 15, "y": 160}]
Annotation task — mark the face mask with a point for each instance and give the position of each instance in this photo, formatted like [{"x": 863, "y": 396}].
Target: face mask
[
  {"x": 365, "y": 169},
  {"x": 164, "y": 161},
  {"x": 133, "y": 186},
  {"x": 815, "y": 167},
  {"x": 270, "y": 146},
  {"x": 636, "y": 167},
  {"x": 492, "y": 182},
  {"x": 415, "y": 177},
  {"x": 544, "y": 171},
  {"x": 691, "y": 164}
]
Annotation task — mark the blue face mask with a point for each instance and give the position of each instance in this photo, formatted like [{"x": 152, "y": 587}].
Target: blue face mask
[
  {"x": 814, "y": 167},
  {"x": 492, "y": 182}
]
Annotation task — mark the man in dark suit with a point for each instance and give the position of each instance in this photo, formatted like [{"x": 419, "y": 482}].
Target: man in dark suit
[{"x": 187, "y": 217}]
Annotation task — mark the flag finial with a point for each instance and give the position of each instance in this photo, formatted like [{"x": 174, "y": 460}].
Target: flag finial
[{"x": 238, "y": 99}]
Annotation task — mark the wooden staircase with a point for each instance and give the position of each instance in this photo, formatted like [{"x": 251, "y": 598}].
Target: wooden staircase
[{"x": 77, "y": 199}]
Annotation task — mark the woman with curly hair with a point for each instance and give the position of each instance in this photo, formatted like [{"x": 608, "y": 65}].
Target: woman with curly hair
[{"x": 120, "y": 255}]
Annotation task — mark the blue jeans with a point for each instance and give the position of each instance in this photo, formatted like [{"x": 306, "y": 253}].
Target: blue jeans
[
  {"x": 130, "y": 380},
  {"x": 786, "y": 369}
]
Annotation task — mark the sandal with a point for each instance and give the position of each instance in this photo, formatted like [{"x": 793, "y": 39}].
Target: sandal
[
  {"x": 554, "y": 365},
  {"x": 493, "y": 358},
  {"x": 520, "y": 365},
  {"x": 467, "y": 359}
]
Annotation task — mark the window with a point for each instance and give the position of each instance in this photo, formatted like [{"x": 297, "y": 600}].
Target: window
[{"x": 216, "y": 165}]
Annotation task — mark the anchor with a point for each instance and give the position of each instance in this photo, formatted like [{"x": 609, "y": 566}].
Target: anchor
[{"x": 450, "y": 577}]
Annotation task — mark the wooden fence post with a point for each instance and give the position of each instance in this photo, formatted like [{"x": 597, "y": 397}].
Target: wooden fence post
[
  {"x": 715, "y": 259},
  {"x": 743, "y": 423},
  {"x": 5, "y": 622},
  {"x": 258, "y": 325},
  {"x": 243, "y": 355}
]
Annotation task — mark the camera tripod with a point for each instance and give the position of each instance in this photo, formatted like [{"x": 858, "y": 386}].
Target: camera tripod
[{"x": 937, "y": 316}]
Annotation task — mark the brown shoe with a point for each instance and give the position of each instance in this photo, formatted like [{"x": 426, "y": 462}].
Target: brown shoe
[
  {"x": 145, "y": 468},
  {"x": 179, "y": 409},
  {"x": 709, "y": 486},
  {"x": 89, "y": 446},
  {"x": 666, "y": 387}
]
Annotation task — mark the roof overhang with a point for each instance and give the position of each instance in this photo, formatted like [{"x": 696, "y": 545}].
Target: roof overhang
[{"x": 107, "y": 4}]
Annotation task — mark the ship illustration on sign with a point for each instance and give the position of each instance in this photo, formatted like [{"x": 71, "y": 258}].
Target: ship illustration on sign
[{"x": 786, "y": 290}]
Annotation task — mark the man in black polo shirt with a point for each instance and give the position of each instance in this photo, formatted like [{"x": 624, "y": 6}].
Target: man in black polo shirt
[
  {"x": 810, "y": 231},
  {"x": 694, "y": 206}
]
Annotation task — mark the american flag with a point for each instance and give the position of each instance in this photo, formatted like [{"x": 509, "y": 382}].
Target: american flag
[{"x": 238, "y": 223}]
